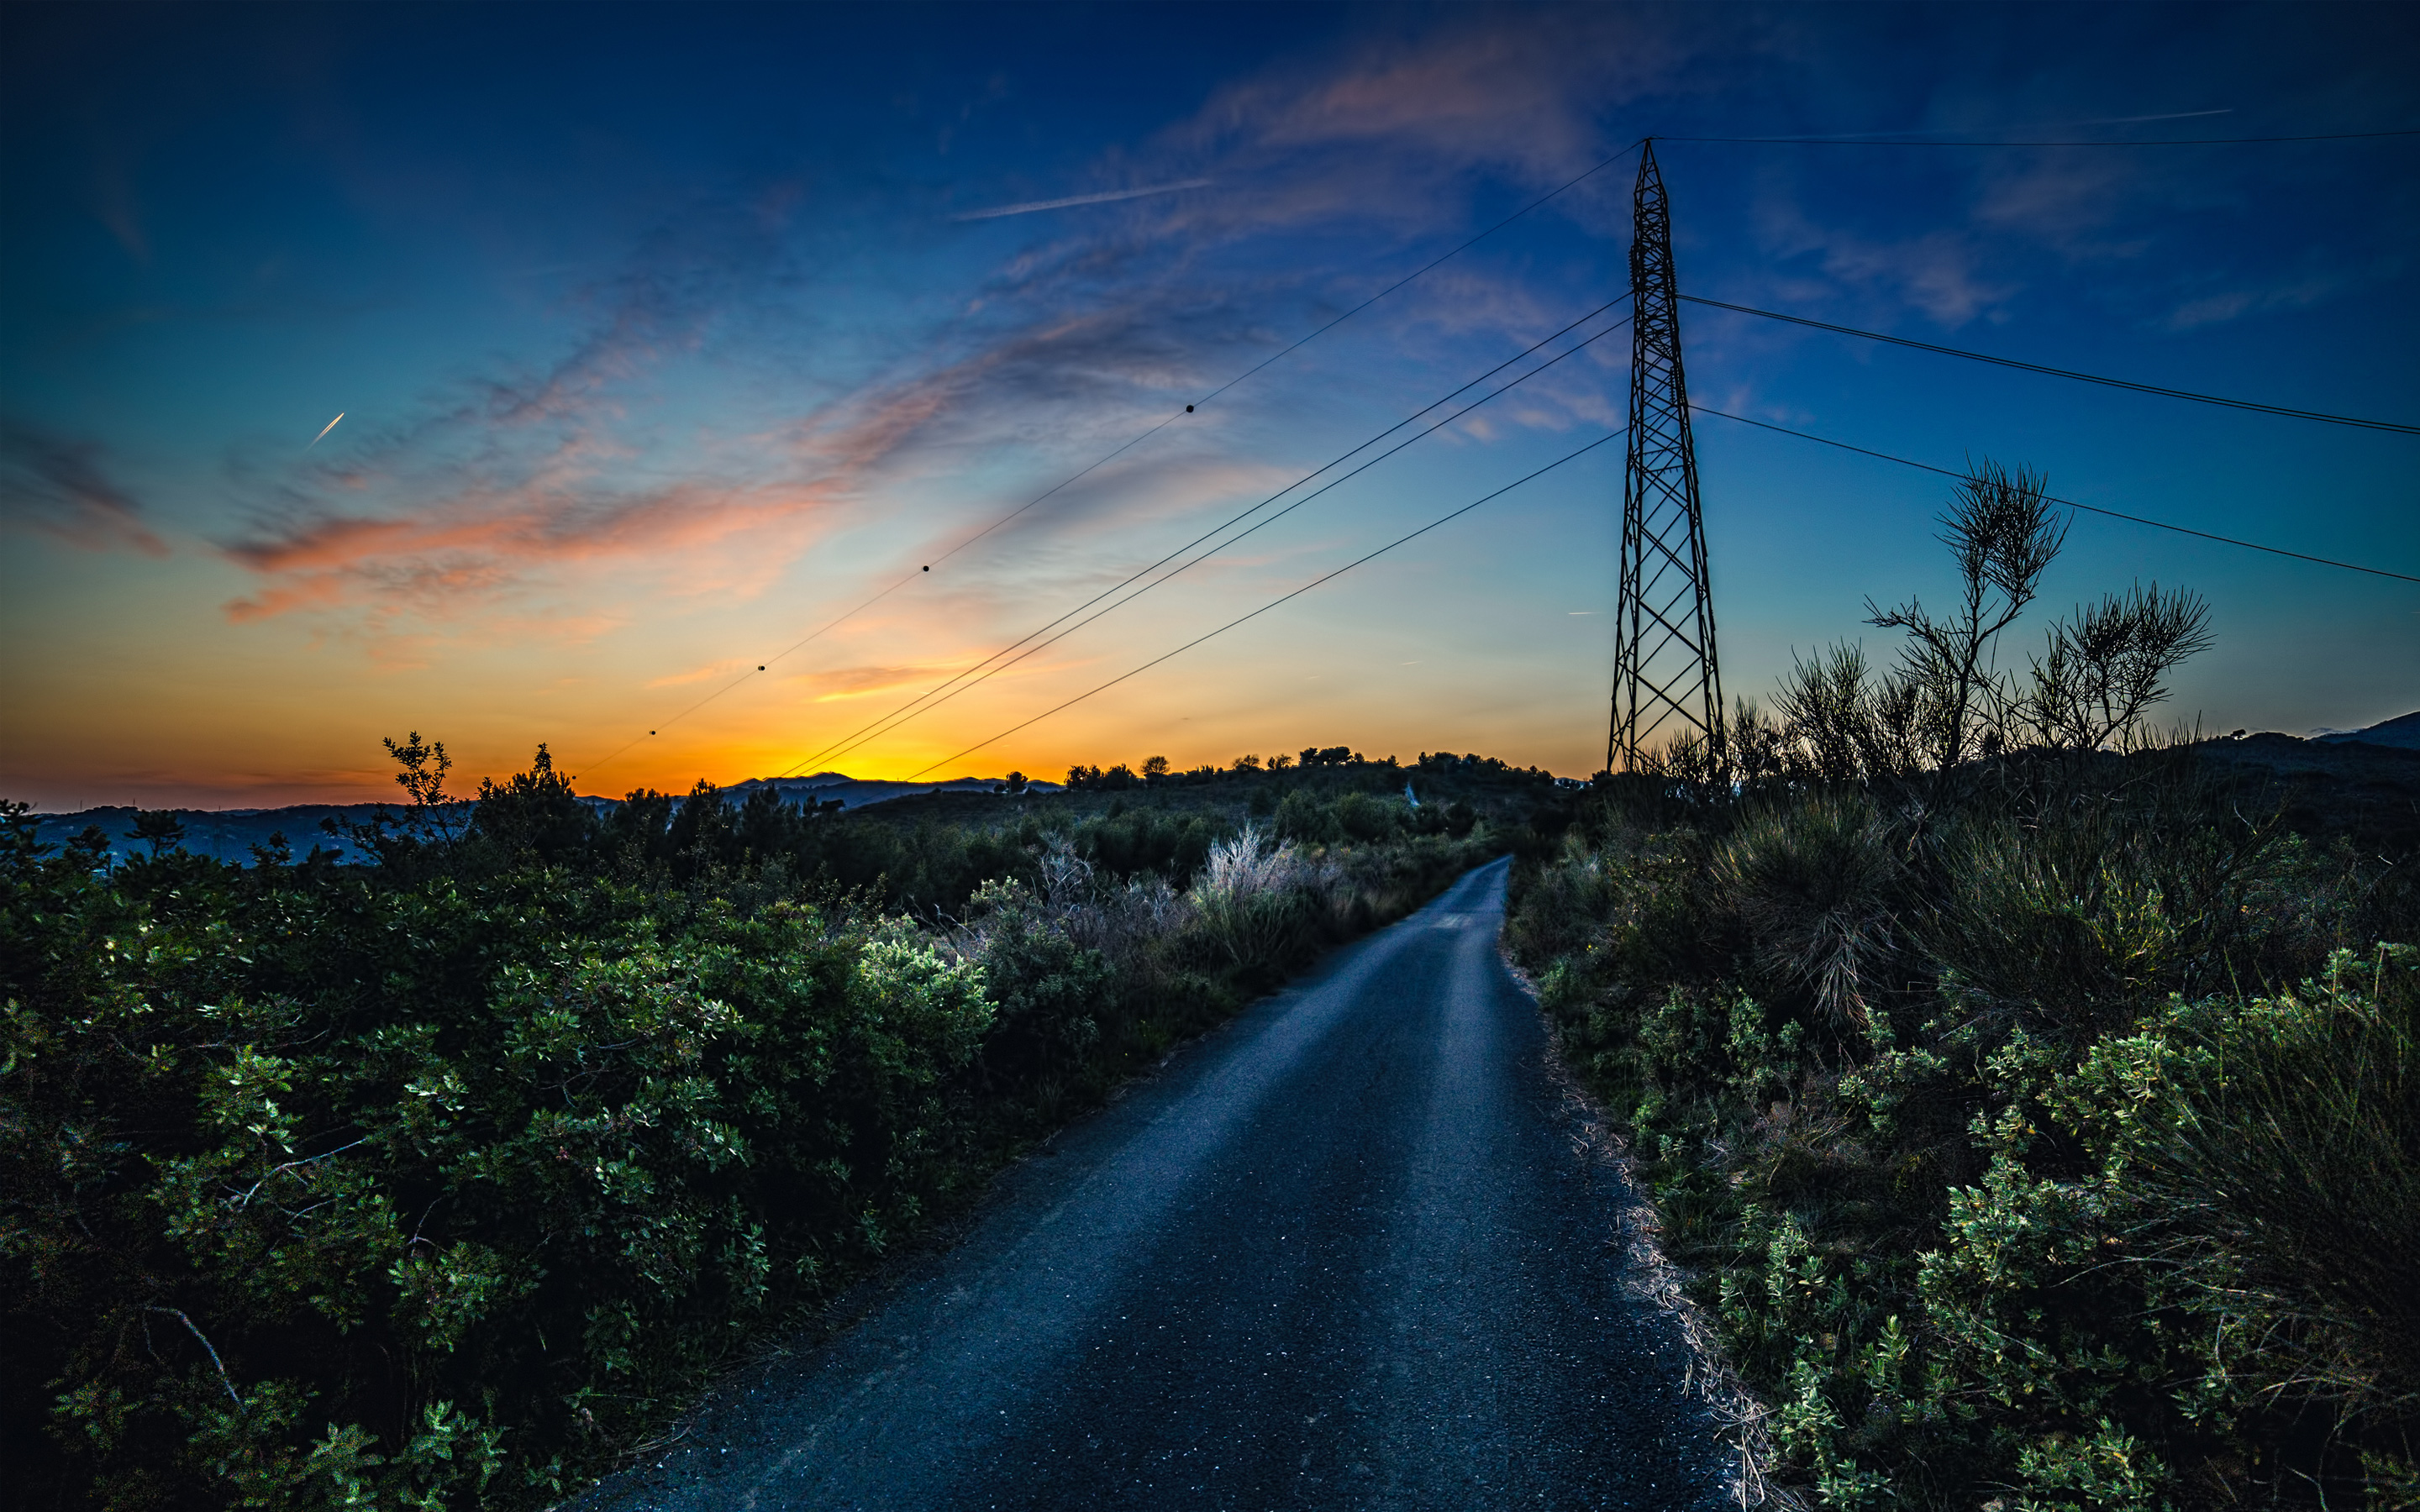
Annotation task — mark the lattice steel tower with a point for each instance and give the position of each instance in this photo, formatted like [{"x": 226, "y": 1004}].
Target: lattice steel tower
[{"x": 1665, "y": 678}]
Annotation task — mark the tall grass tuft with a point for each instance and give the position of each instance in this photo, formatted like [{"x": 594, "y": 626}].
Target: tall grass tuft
[
  {"x": 1814, "y": 883},
  {"x": 2289, "y": 1183}
]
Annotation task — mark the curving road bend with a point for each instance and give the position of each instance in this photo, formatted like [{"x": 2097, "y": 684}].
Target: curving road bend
[{"x": 1346, "y": 1252}]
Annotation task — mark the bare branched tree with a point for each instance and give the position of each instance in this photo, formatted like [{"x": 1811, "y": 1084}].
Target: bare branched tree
[
  {"x": 2005, "y": 531},
  {"x": 2106, "y": 667}
]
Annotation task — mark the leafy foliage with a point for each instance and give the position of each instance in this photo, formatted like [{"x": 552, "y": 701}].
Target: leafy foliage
[{"x": 446, "y": 1181}]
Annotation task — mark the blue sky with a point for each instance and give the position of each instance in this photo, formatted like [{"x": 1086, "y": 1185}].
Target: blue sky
[{"x": 664, "y": 335}]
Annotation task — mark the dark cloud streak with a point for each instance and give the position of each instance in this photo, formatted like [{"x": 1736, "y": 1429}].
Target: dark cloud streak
[{"x": 59, "y": 485}]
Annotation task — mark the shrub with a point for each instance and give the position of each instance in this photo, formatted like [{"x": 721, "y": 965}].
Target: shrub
[
  {"x": 2288, "y": 1184},
  {"x": 1255, "y": 900},
  {"x": 1304, "y": 818},
  {"x": 1367, "y": 819},
  {"x": 1052, "y": 993}
]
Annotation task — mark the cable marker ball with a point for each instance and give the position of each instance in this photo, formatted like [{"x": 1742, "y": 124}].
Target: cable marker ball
[
  {"x": 1188, "y": 409},
  {"x": 928, "y": 569}
]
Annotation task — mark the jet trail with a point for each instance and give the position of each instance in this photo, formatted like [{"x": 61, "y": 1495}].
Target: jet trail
[{"x": 1030, "y": 205}]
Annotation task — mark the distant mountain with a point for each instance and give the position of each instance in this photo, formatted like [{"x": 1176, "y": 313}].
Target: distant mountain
[
  {"x": 2402, "y": 732},
  {"x": 224, "y": 834},
  {"x": 853, "y": 793},
  {"x": 229, "y": 834}
]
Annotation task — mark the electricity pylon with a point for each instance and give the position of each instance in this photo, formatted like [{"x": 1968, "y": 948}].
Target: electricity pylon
[{"x": 1665, "y": 677}]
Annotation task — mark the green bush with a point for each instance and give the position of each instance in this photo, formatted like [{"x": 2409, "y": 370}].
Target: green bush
[
  {"x": 437, "y": 1162},
  {"x": 1304, "y": 819},
  {"x": 2287, "y": 1183}
]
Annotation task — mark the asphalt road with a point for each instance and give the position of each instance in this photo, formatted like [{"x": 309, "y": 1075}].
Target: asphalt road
[{"x": 1346, "y": 1252}]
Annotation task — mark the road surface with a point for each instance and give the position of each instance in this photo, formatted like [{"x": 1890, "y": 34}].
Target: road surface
[{"x": 1346, "y": 1252}]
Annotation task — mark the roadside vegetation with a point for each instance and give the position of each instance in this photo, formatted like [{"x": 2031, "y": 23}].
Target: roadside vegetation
[
  {"x": 447, "y": 1181},
  {"x": 2032, "y": 1103}
]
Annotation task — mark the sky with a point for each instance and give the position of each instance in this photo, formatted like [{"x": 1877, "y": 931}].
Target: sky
[{"x": 673, "y": 342}]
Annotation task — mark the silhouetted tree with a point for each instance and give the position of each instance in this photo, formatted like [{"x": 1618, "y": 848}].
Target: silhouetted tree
[
  {"x": 160, "y": 828},
  {"x": 2108, "y": 666},
  {"x": 533, "y": 810},
  {"x": 424, "y": 766}
]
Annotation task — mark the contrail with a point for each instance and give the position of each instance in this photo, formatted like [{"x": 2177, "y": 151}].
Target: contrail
[
  {"x": 2172, "y": 116},
  {"x": 1030, "y": 205},
  {"x": 1971, "y": 131},
  {"x": 324, "y": 429}
]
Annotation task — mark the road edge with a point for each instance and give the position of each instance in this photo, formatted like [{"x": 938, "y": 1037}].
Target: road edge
[
  {"x": 1650, "y": 1277},
  {"x": 818, "y": 1324}
]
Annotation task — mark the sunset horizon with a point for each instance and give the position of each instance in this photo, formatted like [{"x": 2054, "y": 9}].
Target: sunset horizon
[{"x": 856, "y": 349}]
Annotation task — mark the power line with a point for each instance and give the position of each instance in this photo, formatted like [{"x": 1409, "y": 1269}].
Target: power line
[
  {"x": 2147, "y": 142},
  {"x": 1281, "y": 599},
  {"x": 744, "y": 676},
  {"x": 2096, "y": 509},
  {"x": 1415, "y": 273},
  {"x": 2394, "y": 426},
  {"x": 850, "y": 740},
  {"x": 984, "y": 672},
  {"x": 1136, "y": 441}
]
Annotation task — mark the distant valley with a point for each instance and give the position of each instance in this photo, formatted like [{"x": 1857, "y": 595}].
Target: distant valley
[{"x": 231, "y": 834}]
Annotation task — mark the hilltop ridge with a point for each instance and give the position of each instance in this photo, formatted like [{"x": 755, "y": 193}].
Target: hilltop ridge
[{"x": 231, "y": 834}]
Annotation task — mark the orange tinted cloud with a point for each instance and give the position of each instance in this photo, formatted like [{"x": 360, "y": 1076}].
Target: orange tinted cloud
[{"x": 478, "y": 544}]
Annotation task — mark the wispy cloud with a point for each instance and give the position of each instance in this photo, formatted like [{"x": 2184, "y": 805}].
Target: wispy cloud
[
  {"x": 477, "y": 547},
  {"x": 2231, "y": 304},
  {"x": 2170, "y": 115},
  {"x": 520, "y": 485},
  {"x": 59, "y": 485},
  {"x": 1941, "y": 272}
]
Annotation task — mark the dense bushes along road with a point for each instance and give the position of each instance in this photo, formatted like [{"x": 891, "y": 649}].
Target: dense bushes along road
[
  {"x": 2035, "y": 1101},
  {"x": 445, "y": 1182},
  {"x": 2041, "y": 1133}
]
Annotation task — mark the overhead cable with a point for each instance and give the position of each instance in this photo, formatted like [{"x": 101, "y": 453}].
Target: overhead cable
[
  {"x": 1129, "y": 444},
  {"x": 2096, "y": 509},
  {"x": 1400, "y": 540},
  {"x": 2144, "y": 141},
  {"x": 850, "y": 740},
  {"x": 984, "y": 671},
  {"x": 2394, "y": 426}
]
